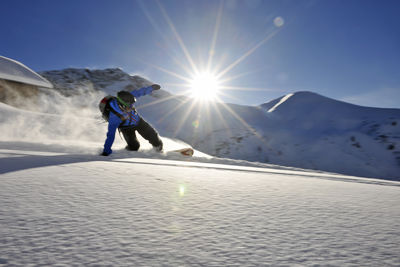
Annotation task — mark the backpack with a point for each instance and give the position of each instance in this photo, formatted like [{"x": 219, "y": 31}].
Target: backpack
[{"x": 105, "y": 108}]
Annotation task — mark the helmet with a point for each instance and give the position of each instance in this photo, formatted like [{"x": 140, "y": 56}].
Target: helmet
[{"x": 125, "y": 98}]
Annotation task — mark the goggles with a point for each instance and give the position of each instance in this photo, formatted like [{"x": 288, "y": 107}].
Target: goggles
[{"x": 123, "y": 103}]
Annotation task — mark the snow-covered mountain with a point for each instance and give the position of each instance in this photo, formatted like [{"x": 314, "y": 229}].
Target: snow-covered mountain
[
  {"x": 77, "y": 81},
  {"x": 303, "y": 129}
]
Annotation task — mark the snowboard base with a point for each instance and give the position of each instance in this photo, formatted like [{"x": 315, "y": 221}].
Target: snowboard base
[{"x": 184, "y": 151}]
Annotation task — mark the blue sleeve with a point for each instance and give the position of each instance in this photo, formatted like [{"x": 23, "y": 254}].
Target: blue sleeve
[
  {"x": 142, "y": 91},
  {"x": 113, "y": 123}
]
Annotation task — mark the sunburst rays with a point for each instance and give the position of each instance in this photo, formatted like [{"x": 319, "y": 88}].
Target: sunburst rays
[
  {"x": 247, "y": 54},
  {"x": 211, "y": 52},
  {"x": 177, "y": 36},
  {"x": 192, "y": 70}
]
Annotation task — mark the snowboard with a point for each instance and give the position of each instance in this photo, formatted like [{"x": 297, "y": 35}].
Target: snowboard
[{"x": 188, "y": 151}]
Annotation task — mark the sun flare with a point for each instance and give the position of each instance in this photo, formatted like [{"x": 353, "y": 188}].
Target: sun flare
[{"x": 205, "y": 86}]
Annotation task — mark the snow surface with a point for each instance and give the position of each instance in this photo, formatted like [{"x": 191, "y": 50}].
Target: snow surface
[
  {"x": 74, "y": 209},
  {"x": 15, "y": 71},
  {"x": 64, "y": 205}
]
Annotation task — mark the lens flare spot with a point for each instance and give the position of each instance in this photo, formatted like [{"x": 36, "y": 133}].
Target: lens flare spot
[
  {"x": 195, "y": 124},
  {"x": 279, "y": 22},
  {"x": 181, "y": 190}
]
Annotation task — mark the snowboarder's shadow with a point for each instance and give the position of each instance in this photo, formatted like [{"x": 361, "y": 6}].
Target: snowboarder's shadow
[
  {"x": 22, "y": 156},
  {"x": 18, "y": 156},
  {"x": 14, "y": 161}
]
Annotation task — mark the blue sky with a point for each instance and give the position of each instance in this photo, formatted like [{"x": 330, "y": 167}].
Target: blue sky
[{"x": 344, "y": 49}]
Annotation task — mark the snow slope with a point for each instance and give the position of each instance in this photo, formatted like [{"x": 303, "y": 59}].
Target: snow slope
[
  {"x": 18, "y": 72},
  {"x": 75, "y": 209},
  {"x": 334, "y": 135}
]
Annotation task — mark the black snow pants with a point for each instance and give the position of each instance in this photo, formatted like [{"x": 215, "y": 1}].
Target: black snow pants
[{"x": 146, "y": 131}]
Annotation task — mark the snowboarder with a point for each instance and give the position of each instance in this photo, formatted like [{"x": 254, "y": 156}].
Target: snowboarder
[{"x": 123, "y": 116}]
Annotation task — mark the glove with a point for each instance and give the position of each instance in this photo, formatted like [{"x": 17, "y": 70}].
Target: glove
[
  {"x": 156, "y": 86},
  {"x": 104, "y": 154}
]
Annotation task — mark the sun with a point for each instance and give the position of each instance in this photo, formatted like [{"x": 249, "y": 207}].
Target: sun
[{"x": 205, "y": 86}]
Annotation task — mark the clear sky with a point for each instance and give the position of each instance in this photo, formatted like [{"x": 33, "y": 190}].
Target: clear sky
[{"x": 262, "y": 49}]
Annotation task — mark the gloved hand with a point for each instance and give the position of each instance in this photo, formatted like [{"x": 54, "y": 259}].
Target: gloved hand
[
  {"x": 156, "y": 86},
  {"x": 104, "y": 154}
]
